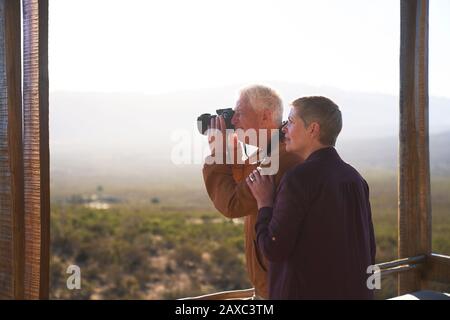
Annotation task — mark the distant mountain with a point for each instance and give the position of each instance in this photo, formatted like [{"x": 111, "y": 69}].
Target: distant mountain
[
  {"x": 134, "y": 134},
  {"x": 382, "y": 153}
]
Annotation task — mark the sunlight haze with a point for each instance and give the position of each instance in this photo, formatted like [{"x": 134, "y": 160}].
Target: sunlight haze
[{"x": 174, "y": 45}]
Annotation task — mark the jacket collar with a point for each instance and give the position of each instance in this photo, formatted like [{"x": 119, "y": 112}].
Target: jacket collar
[{"x": 323, "y": 153}]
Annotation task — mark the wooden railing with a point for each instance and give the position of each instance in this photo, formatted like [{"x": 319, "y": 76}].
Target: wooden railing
[{"x": 433, "y": 268}]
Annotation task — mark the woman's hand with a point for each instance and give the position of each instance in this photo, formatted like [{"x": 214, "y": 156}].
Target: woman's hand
[{"x": 262, "y": 188}]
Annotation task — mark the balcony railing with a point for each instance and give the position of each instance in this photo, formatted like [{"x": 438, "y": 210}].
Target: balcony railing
[{"x": 433, "y": 268}]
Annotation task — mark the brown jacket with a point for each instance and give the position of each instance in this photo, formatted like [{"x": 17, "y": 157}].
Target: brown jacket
[{"x": 230, "y": 194}]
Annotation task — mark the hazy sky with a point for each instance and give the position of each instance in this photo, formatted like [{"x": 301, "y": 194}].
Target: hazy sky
[{"x": 170, "y": 45}]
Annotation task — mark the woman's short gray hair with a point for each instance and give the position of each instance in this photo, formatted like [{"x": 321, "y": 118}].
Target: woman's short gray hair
[
  {"x": 262, "y": 97},
  {"x": 325, "y": 112}
]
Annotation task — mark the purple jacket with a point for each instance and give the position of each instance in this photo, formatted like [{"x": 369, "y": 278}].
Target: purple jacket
[{"x": 318, "y": 237}]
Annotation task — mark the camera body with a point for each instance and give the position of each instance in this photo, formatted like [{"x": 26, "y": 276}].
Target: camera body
[{"x": 204, "y": 120}]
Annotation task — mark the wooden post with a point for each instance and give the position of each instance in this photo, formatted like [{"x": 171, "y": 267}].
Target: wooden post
[
  {"x": 414, "y": 212},
  {"x": 11, "y": 157},
  {"x": 36, "y": 149}
]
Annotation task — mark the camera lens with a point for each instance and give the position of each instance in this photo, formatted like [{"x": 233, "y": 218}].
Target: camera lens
[{"x": 203, "y": 122}]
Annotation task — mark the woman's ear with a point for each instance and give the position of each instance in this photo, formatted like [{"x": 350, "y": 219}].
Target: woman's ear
[{"x": 314, "y": 129}]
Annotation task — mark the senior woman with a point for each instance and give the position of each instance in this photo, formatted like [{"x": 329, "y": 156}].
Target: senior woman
[{"x": 316, "y": 229}]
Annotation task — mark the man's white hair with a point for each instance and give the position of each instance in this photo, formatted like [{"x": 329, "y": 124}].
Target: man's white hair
[{"x": 262, "y": 97}]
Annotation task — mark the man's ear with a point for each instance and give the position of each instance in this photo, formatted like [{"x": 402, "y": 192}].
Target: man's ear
[{"x": 267, "y": 115}]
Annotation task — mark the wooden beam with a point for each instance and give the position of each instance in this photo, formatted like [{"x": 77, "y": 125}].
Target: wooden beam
[
  {"x": 44, "y": 148},
  {"x": 11, "y": 157},
  {"x": 36, "y": 149},
  {"x": 414, "y": 212}
]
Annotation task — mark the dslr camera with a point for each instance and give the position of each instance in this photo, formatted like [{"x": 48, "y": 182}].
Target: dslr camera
[{"x": 204, "y": 120}]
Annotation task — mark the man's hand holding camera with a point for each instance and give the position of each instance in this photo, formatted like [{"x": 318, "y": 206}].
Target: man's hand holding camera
[{"x": 219, "y": 140}]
